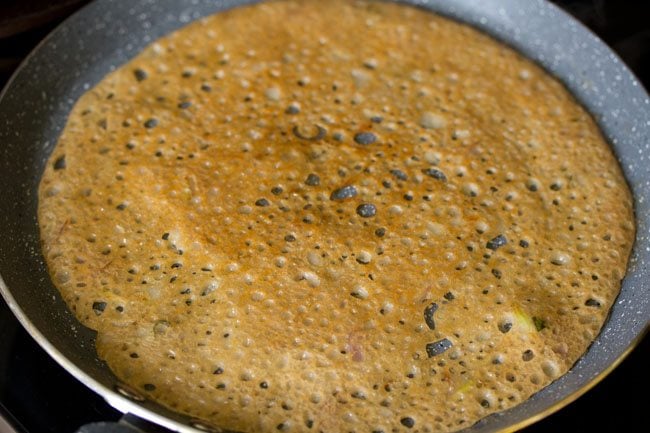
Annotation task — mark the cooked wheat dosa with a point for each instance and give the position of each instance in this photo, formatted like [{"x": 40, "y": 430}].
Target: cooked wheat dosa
[{"x": 331, "y": 216}]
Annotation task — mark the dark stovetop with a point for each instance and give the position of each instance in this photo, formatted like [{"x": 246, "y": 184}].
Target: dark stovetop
[{"x": 36, "y": 395}]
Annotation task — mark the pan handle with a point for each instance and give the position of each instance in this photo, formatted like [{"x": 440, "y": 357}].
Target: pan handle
[{"x": 129, "y": 423}]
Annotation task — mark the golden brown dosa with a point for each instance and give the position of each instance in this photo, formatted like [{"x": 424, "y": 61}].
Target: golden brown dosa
[{"x": 335, "y": 217}]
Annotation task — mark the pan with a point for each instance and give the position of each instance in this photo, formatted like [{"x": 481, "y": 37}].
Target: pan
[{"x": 107, "y": 33}]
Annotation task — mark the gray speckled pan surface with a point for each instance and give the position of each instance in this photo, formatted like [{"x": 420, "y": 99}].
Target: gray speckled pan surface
[{"x": 107, "y": 33}]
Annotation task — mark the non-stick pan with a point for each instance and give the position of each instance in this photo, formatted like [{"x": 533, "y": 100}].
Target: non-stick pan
[{"x": 107, "y": 33}]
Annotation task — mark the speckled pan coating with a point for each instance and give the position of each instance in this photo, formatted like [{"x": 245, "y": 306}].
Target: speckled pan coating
[{"x": 107, "y": 33}]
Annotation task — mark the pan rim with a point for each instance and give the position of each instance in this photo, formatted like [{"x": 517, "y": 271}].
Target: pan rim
[{"x": 126, "y": 405}]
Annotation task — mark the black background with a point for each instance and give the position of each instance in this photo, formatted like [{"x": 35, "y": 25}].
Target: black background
[{"x": 36, "y": 395}]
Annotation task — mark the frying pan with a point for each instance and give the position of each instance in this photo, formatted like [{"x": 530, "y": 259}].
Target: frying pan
[{"x": 107, "y": 33}]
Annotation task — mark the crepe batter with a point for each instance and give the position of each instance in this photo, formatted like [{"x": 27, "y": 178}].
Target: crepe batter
[{"x": 335, "y": 216}]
